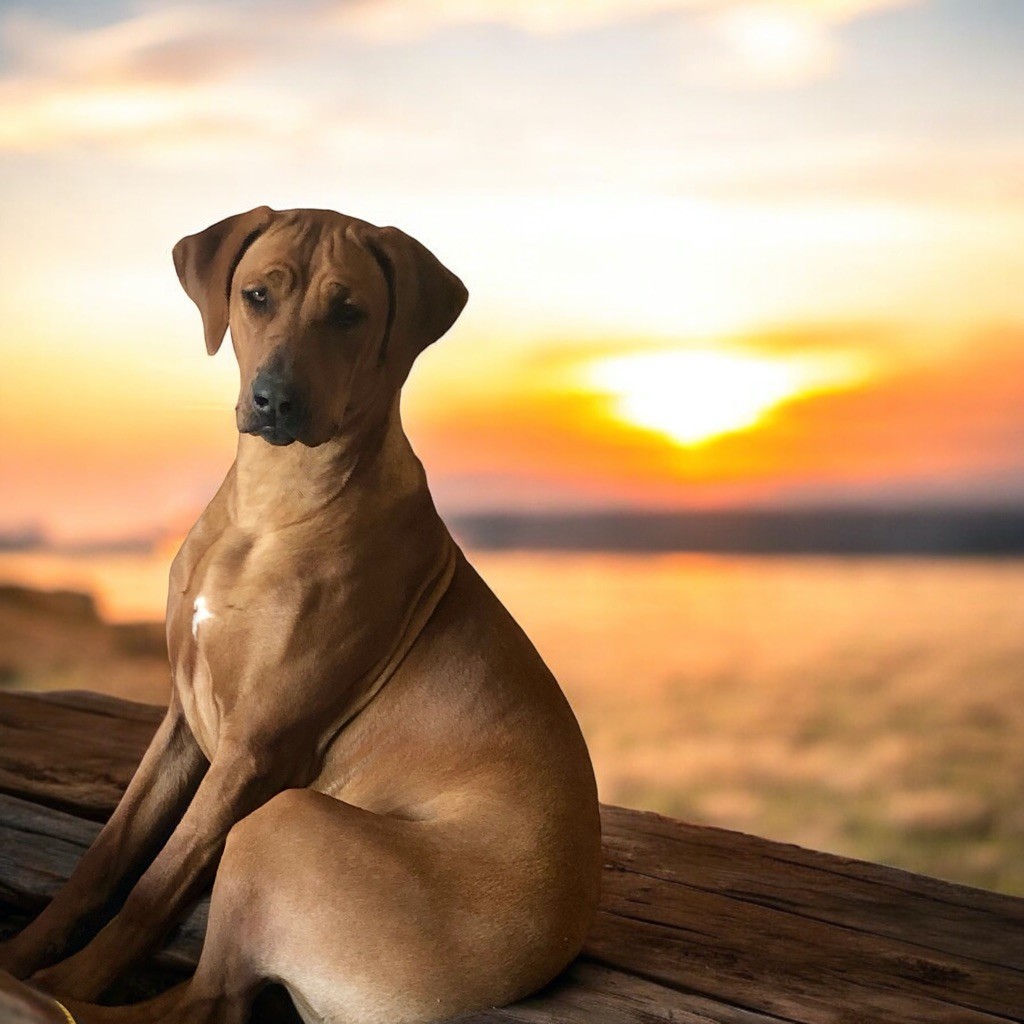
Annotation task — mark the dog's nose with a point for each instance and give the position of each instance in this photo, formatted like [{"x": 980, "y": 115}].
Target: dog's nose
[
  {"x": 272, "y": 396},
  {"x": 277, "y": 410}
]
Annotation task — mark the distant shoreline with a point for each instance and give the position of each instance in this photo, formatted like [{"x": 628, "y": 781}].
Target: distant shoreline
[
  {"x": 935, "y": 531},
  {"x": 938, "y": 532}
]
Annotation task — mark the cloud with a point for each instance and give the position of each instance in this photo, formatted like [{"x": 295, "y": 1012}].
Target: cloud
[
  {"x": 167, "y": 45},
  {"x": 390, "y": 19},
  {"x": 152, "y": 73},
  {"x": 755, "y": 43},
  {"x": 774, "y": 45},
  {"x": 780, "y": 43},
  {"x": 182, "y": 84},
  {"x": 911, "y": 167},
  {"x": 168, "y": 70}
]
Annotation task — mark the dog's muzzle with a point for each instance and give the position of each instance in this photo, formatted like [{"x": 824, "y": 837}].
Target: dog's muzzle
[{"x": 277, "y": 412}]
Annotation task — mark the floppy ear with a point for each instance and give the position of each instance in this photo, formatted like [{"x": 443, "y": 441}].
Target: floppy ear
[
  {"x": 206, "y": 262},
  {"x": 424, "y": 297}
]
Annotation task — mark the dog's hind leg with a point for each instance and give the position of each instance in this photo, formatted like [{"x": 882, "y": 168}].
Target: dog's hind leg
[
  {"x": 353, "y": 913},
  {"x": 348, "y": 910}
]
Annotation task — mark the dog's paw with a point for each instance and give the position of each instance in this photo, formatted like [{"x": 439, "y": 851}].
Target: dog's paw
[
  {"x": 79, "y": 977},
  {"x": 23, "y": 1004},
  {"x": 56, "y": 981}
]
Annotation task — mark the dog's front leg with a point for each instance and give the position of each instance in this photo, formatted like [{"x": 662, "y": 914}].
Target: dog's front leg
[
  {"x": 152, "y": 805},
  {"x": 241, "y": 777}
]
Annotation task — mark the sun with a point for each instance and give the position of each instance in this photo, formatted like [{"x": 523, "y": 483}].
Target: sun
[{"x": 694, "y": 396}]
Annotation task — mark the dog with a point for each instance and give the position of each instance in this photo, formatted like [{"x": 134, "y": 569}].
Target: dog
[{"x": 362, "y": 750}]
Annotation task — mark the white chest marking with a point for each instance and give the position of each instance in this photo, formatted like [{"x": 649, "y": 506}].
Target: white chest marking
[{"x": 200, "y": 613}]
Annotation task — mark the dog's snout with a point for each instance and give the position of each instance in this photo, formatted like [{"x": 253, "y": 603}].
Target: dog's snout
[{"x": 276, "y": 408}]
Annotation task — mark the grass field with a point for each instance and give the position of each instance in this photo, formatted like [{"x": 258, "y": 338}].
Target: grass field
[{"x": 866, "y": 707}]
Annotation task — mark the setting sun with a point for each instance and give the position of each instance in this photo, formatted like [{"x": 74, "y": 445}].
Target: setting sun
[{"x": 694, "y": 396}]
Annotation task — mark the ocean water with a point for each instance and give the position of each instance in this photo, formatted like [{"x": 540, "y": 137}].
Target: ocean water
[{"x": 867, "y": 706}]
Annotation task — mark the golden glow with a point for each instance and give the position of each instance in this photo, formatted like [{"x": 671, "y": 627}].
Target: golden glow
[
  {"x": 777, "y": 44},
  {"x": 694, "y": 396}
]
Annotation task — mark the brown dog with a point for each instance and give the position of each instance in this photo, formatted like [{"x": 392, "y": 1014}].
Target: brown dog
[{"x": 361, "y": 742}]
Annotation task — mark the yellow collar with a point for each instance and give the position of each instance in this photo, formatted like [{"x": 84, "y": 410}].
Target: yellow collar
[{"x": 65, "y": 1011}]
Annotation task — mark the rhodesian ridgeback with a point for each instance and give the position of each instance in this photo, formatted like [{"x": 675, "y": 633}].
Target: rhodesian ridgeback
[{"x": 363, "y": 750}]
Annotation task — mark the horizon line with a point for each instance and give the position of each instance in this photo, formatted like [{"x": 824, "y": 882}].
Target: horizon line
[{"x": 848, "y": 528}]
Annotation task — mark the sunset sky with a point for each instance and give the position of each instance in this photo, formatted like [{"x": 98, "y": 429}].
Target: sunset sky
[{"x": 718, "y": 252}]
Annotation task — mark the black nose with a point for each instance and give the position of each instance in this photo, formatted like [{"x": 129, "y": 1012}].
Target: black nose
[
  {"x": 272, "y": 396},
  {"x": 276, "y": 407}
]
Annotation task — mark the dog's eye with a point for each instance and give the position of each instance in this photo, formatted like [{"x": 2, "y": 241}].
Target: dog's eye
[
  {"x": 345, "y": 314},
  {"x": 255, "y": 296}
]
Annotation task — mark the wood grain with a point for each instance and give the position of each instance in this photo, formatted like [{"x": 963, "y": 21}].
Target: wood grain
[{"x": 75, "y": 751}]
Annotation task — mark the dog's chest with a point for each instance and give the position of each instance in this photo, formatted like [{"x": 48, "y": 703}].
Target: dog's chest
[
  {"x": 193, "y": 676},
  {"x": 205, "y": 638}
]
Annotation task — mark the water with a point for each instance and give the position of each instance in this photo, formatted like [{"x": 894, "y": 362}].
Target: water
[{"x": 870, "y": 707}]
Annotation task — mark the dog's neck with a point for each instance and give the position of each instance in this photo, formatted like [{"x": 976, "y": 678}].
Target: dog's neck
[{"x": 274, "y": 487}]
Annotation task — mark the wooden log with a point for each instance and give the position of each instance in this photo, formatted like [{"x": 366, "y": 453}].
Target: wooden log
[
  {"x": 950, "y": 918},
  {"x": 39, "y": 847},
  {"x": 76, "y": 751},
  {"x": 696, "y": 924}
]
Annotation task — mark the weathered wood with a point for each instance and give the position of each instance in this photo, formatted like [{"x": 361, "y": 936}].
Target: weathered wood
[
  {"x": 860, "y": 923},
  {"x": 76, "y": 751},
  {"x": 945, "y": 916},
  {"x": 696, "y": 924},
  {"x": 797, "y": 969}
]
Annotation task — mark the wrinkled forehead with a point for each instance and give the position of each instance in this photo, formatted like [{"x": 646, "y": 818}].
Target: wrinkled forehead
[{"x": 304, "y": 248}]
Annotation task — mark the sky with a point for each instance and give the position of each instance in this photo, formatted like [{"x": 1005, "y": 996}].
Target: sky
[{"x": 719, "y": 252}]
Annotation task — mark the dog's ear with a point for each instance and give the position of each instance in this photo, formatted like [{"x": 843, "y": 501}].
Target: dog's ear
[
  {"x": 206, "y": 262},
  {"x": 424, "y": 297}
]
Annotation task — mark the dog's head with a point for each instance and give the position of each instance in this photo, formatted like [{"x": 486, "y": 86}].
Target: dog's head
[{"x": 327, "y": 315}]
